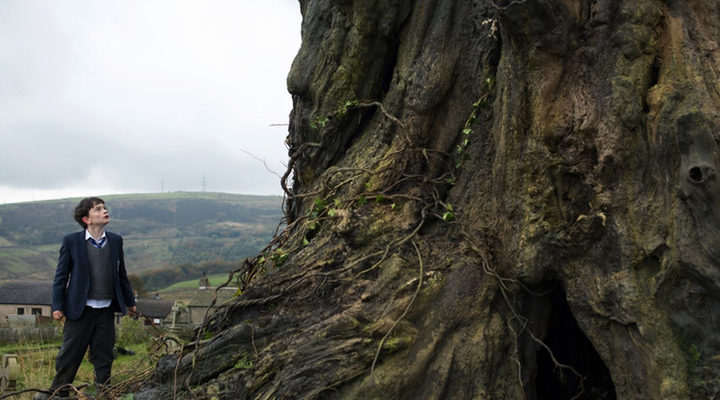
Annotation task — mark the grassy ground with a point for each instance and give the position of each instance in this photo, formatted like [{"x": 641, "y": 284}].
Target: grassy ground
[
  {"x": 37, "y": 361},
  {"x": 186, "y": 290},
  {"x": 215, "y": 280},
  {"x": 38, "y": 368}
]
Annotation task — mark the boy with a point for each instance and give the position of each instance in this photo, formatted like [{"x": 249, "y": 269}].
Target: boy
[{"x": 90, "y": 285}]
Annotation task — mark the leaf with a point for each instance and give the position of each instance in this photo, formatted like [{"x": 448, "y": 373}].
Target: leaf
[
  {"x": 337, "y": 203},
  {"x": 279, "y": 257},
  {"x": 467, "y": 131},
  {"x": 392, "y": 206},
  {"x": 305, "y": 241},
  {"x": 694, "y": 352},
  {"x": 243, "y": 363},
  {"x": 379, "y": 198},
  {"x": 448, "y": 216},
  {"x": 332, "y": 212},
  {"x": 362, "y": 200},
  {"x": 319, "y": 122},
  {"x": 320, "y": 203}
]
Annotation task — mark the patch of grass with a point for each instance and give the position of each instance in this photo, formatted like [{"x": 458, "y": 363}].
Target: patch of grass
[
  {"x": 38, "y": 368},
  {"x": 215, "y": 280},
  {"x": 14, "y": 348},
  {"x": 37, "y": 363},
  {"x": 18, "y": 260}
]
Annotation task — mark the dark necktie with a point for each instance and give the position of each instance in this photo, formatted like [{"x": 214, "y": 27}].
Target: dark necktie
[{"x": 99, "y": 244}]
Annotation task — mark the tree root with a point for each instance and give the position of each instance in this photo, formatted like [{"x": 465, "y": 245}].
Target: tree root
[{"x": 412, "y": 300}]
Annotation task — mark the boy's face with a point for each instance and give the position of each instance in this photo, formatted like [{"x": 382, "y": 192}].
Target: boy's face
[{"x": 97, "y": 216}]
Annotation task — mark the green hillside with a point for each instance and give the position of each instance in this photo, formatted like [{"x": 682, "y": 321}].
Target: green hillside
[
  {"x": 186, "y": 290},
  {"x": 160, "y": 230}
]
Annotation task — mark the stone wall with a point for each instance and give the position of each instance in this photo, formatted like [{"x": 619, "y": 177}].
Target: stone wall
[{"x": 12, "y": 309}]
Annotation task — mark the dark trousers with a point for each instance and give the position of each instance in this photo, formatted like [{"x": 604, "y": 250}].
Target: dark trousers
[{"x": 95, "y": 328}]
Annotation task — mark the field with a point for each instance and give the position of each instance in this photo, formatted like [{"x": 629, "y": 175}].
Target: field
[
  {"x": 160, "y": 231},
  {"x": 186, "y": 290},
  {"x": 37, "y": 361},
  {"x": 215, "y": 280}
]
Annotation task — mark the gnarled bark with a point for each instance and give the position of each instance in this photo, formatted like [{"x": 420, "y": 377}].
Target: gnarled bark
[{"x": 510, "y": 199}]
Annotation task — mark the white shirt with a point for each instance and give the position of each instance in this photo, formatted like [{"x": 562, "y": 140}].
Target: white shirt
[
  {"x": 93, "y": 303},
  {"x": 88, "y": 236}
]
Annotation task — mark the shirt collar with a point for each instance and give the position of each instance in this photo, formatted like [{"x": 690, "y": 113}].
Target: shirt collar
[{"x": 88, "y": 235}]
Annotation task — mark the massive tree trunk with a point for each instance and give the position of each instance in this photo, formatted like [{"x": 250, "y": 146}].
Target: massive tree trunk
[{"x": 490, "y": 200}]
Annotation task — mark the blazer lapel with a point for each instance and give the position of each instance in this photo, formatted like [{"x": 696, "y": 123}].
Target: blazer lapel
[{"x": 82, "y": 251}]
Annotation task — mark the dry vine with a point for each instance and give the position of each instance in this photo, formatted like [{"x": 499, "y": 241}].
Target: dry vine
[{"x": 291, "y": 238}]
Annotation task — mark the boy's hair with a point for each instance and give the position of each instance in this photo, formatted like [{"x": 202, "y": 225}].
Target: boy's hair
[{"x": 83, "y": 209}]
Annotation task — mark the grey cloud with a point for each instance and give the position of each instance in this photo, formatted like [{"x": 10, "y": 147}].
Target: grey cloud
[{"x": 153, "y": 91}]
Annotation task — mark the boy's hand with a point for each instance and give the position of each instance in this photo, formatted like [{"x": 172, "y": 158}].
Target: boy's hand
[
  {"x": 58, "y": 314},
  {"x": 131, "y": 310}
]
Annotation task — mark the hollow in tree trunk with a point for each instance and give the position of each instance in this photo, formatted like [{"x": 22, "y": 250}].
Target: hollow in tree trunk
[{"x": 488, "y": 200}]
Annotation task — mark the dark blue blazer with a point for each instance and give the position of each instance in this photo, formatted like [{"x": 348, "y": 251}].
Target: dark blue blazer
[{"x": 72, "y": 276}]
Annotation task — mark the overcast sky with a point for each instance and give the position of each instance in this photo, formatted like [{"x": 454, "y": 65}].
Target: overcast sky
[{"x": 138, "y": 96}]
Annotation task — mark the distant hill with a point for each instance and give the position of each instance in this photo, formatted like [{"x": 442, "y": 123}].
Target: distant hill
[{"x": 160, "y": 230}]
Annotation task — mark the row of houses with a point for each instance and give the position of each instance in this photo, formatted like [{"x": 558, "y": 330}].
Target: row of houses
[{"x": 30, "y": 300}]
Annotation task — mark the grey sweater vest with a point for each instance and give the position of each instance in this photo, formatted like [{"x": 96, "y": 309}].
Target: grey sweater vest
[{"x": 101, "y": 281}]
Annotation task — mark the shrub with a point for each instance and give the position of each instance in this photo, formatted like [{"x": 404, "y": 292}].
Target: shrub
[{"x": 132, "y": 331}]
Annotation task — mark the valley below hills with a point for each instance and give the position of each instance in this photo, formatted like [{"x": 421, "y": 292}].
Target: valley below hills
[{"x": 176, "y": 231}]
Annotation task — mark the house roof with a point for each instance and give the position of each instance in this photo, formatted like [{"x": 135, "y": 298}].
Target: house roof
[
  {"x": 154, "y": 308},
  {"x": 204, "y": 297},
  {"x": 26, "y": 292}
]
